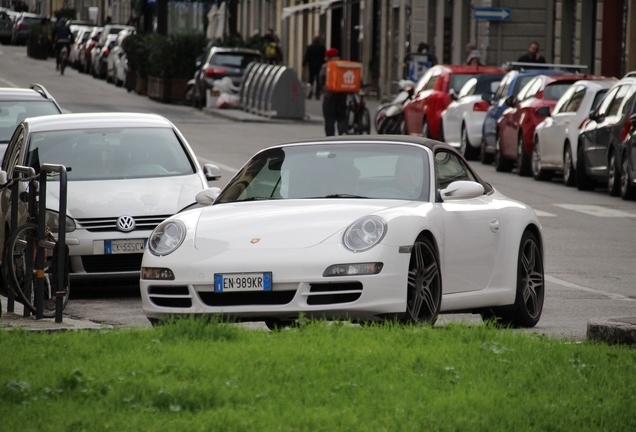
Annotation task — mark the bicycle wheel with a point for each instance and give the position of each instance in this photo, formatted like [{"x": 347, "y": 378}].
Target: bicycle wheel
[
  {"x": 365, "y": 121},
  {"x": 63, "y": 61},
  {"x": 21, "y": 274}
]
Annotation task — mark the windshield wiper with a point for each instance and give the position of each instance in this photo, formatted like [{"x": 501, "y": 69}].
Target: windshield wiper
[
  {"x": 255, "y": 199},
  {"x": 343, "y": 196}
]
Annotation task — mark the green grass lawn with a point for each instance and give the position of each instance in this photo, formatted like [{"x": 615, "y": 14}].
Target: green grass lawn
[{"x": 193, "y": 376}]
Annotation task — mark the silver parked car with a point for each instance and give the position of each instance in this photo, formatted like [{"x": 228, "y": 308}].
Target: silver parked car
[{"x": 128, "y": 172}]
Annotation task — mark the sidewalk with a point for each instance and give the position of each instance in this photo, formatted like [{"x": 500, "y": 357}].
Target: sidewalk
[
  {"x": 313, "y": 113},
  {"x": 16, "y": 319}
]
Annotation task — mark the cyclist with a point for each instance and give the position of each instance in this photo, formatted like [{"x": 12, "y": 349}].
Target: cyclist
[{"x": 63, "y": 37}]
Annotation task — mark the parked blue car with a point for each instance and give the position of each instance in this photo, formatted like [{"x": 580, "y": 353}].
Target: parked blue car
[{"x": 510, "y": 85}]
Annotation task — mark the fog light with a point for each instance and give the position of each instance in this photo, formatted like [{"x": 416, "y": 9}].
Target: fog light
[
  {"x": 353, "y": 269},
  {"x": 156, "y": 273}
]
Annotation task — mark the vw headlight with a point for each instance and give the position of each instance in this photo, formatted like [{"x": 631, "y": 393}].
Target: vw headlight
[
  {"x": 52, "y": 221},
  {"x": 364, "y": 233},
  {"x": 167, "y": 237}
]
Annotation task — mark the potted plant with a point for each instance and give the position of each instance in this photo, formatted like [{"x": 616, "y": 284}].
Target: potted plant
[{"x": 137, "y": 56}]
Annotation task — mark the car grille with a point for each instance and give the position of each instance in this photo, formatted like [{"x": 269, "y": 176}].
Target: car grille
[
  {"x": 340, "y": 292},
  {"x": 110, "y": 224},
  {"x": 111, "y": 263},
  {"x": 170, "y": 296},
  {"x": 247, "y": 298}
]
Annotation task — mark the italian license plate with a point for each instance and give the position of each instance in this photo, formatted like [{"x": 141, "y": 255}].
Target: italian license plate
[
  {"x": 124, "y": 246},
  {"x": 240, "y": 282}
]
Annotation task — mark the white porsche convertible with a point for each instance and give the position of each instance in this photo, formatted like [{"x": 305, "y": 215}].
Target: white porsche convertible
[{"x": 355, "y": 228}]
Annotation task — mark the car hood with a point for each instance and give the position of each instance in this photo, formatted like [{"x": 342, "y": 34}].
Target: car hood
[
  {"x": 134, "y": 197},
  {"x": 289, "y": 224}
]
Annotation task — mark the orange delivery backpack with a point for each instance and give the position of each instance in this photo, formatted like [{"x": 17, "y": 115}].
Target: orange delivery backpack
[{"x": 343, "y": 76}]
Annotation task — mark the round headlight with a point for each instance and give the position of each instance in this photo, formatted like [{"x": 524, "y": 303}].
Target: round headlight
[
  {"x": 167, "y": 237},
  {"x": 364, "y": 233}
]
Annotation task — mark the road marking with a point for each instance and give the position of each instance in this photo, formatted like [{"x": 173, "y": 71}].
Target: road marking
[
  {"x": 612, "y": 296},
  {"x": 598, "y": 211},
  {"x": 9, "y": 83},
  {"x": 220, "y": 165},
  {"x": 544, "y": 214}
]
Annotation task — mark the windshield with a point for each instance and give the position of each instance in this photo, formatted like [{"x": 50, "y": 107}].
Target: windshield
[
  {"x": 105, "y": 154},
  {"x": 332, "y": 171},
  {"x": 236, "y": 60},
  {"x": 12, "y": 113}
]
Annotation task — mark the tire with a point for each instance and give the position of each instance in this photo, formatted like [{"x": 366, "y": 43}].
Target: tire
[
  {"x": 583, "y": 181},
  {"x": 538, "y": 172},
  {"x": 523, "y": 160},
  {"x": 484, "y": 157},
  {"x": 613, "y": 175},
  {"x": 426, "y": 131},
  {"x": 530, "y": 291},
  {"x": 365, "y": 122},
  {"x": 188, "y": 95},
  {"x": 424, "y": 290},
  {"x": 21, "y": 273},
  {"x": 467, "y": 149},
  {"x": 501, "y": 163},
  {"x": 275, "y": 324},
  {"x": 352, "y": 124},
  {"x": 628, "y": 191},
  {"x": 569, "y": 176}
]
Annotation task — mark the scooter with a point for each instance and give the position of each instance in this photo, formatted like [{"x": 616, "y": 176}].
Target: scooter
[{"x": 389, "y": 118}]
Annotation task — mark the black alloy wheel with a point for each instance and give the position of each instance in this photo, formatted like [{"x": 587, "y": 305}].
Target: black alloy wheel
[
  {"x": 569, "y": 177},
  {"x": 613, "y": 175},
  {"x": 424, "y": 291},
  {"x": 628, "y": 191},
  {"x": 528, "y": 306}
]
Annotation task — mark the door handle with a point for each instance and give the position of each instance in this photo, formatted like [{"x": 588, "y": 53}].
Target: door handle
[{"x": 494, "y": 225}]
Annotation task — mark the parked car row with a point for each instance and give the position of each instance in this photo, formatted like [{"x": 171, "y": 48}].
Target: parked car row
[
  {"x": 541, "y": 121},
  {"x": 14, "y": 26}
]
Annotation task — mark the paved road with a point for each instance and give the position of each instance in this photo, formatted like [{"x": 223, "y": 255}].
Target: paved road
[{"x": 590, "y": 238}]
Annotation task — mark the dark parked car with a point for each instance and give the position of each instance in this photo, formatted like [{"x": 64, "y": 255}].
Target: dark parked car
[
  {"x": 21, "y": 27},
  {"x": 17, "y": 104},
  {"x": 6, "y": 27},
  {"x": 601, "y": 139},
  {"x": 628, "y": 163},
  {"x": 220, "y": 62}
]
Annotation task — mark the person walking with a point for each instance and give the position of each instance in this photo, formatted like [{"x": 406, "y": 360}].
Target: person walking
[
  {"x": 334, "y": 105},
  {"x": 313, "y": 60},
  {"x": 533, "y": 55}
]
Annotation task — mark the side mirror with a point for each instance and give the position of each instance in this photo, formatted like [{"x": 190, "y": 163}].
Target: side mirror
[
  {"x": 462, "y": 189},
  {"x": 488, "y": 97},
  {"x": 511, "y": 101},
  {"x": 212, "y": 172},
  {"x": 207, "y": 196},
  {"x": 543, "y": 111}
]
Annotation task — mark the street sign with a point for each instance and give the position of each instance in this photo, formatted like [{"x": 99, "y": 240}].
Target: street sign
[{"x": 492, "y": 14}]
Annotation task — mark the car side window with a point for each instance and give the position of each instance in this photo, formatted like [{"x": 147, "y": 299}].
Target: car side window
[
  {"x": 12, "y": 157},
  {"x": 629, "y": 101},
  {"x": 431, "y": 83},
  {"x": 533, "y": 88},
  {"x": 563, "y": 102},
  {"x": 503, "y": 88},
  {"x": 618, "y": 101},
  {"x": 607, "y": 102},
  {"x": 574, "y": 103},
  {"x": 449, "y": 168}
]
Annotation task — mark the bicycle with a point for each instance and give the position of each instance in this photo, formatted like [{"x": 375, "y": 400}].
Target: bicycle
[
  {"x": 358, "y": 117},
  {"x": 20, "y": 266}
]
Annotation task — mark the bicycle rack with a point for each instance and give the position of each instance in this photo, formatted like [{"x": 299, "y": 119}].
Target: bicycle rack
[{"x": 62, "y": 270}]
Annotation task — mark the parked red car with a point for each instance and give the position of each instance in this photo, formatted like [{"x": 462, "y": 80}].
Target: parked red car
[
  {"x": 432, "y": 94},
  {"x": 515, "y": 130}
]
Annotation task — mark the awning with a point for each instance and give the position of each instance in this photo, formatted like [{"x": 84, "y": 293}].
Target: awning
[{"x": 322, "y": 4}]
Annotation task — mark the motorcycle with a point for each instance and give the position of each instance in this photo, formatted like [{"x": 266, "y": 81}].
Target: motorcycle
[{"x": 389, "y": 118}]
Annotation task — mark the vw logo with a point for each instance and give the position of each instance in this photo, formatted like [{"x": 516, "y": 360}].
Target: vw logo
[{"x": 125, "y": 223}]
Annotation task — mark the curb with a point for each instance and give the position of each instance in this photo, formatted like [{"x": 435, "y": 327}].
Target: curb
[
  {"x": 614, "y": 331},
  {"x": 244, "y": 116}
]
